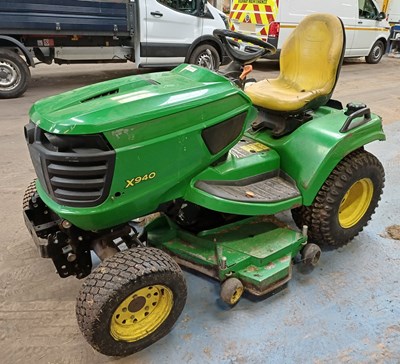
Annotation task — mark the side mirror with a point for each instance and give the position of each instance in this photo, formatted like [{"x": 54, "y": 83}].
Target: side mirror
[
  {"x": 381, "y": 16},
  {"x": 201, "y": 7}
]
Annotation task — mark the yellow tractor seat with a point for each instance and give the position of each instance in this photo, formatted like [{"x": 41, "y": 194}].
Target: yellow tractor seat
[{"x": 310, "y": 63}]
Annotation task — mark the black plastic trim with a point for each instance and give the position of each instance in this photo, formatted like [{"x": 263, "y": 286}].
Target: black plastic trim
[
  {"x": 76, "y": 170},
  {"x": 163, "y": 50},
  {"x": 219, "y": 136}
]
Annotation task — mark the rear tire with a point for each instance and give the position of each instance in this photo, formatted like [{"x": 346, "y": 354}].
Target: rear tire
[
  {"x": 376, "y": 53},
  {"x": 345, "y": 202},
  {"x": 14, "y": 74},
  {"x": 206, "y": 56},
  {"x": 130, "y": 301}
]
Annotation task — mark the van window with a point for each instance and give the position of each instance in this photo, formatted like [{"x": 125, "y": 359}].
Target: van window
[
  {"x": 367, "y": 9},
  {"x": 184, "y": 6}
]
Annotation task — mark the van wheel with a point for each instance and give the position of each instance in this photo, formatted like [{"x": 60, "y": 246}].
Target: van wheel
[
  {"x": 205, "y": 56},
  {"x": 377, "y": 51},
  {"x": 14, "y": 74}
]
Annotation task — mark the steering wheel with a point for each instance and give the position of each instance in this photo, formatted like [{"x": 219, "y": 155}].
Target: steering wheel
[{"x": 238, "y": 55}]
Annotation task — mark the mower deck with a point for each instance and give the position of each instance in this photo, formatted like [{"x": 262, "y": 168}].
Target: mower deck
[{"x": 257, "y": 250}]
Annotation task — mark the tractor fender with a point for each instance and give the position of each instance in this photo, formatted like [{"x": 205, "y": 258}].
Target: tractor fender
[
  {"x": 6, "y": 41},
  {"x": 311, "y": 152}
]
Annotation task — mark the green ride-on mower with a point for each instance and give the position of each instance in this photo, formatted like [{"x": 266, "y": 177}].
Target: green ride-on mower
[{"x": 215, "y": 156}]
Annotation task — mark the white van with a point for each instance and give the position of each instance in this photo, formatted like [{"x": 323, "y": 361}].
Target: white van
[
  {"x": 367, "y": 30},
  {"x": 173, "y": 31},
  {"x": 393, "y": 10}
]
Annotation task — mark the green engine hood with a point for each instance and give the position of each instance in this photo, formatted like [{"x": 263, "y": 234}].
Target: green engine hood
[{"x": 130, "y": 100}]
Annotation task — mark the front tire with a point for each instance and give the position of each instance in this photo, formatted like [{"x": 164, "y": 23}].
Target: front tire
[
  {"x": 376, "y": 53},
  {"x": 14, "y": 74},
  {"x": 130, "y": 301},
  {"x": 345, "y": 202},
  {"x": 29, "y": 192},
  {"x": 206, "y": 56}
]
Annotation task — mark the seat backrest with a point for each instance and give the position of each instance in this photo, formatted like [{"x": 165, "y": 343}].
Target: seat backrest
[{"x": 312, "y": 55}]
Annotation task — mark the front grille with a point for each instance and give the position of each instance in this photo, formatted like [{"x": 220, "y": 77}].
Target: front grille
[{"x": 74, "y": 170}]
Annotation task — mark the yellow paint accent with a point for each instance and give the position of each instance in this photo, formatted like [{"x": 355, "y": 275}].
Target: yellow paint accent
[
  {"x": 365, "y": 28},
  {"x": 385, "y": 5},
  {"x": 130, "y": 183},
  {"x": 240, "y": 14},
  {"x": 355, "y": 203},
  {"x": 287, "y": 26},
  {"x": 136, "y": 180},
  {"x": 236, "y": 295},
  {"x": 256, "y": 147},
  {"x": 258, "y": 2},
  {"x": 141, "y": 313}
]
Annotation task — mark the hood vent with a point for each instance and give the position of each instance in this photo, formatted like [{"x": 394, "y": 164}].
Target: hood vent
[{"x": 107, "y": 93}]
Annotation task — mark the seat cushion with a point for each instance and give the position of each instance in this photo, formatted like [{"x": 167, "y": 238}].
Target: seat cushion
[
  {"x": 279, "y": 95},
  {"x": 309, "y": 66}
]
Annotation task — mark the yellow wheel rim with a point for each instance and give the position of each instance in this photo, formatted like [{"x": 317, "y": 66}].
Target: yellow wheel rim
[
  {"x": 355, "y": 203},
  {"x": 236, "y": 295},
  {"x": 141, "y": 313}
]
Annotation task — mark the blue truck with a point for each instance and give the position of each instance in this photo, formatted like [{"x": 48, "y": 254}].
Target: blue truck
[{"x": 150, "y": 33}]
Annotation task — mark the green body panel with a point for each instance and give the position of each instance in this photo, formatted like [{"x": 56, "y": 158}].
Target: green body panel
[
  {"x": 258, "y": 250},
  {"x": 308, "y": 155},
  {"x": 234, "y": 169},
  {"x": 155, "y": 130},
  {"x": 311, "y": 152},
  {"x": 124, "y": 102},
  {"x": 155, "y": 124}
]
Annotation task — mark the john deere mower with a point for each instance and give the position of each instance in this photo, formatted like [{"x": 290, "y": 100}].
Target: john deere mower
[{"x": 216, "y": 157}]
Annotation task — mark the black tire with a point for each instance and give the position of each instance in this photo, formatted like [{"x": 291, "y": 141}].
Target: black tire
[
  {"x": 359, "y": 170},
  {"x": 376, "y": 53},
  {"x": 231, "y": 291},
  {"x": 29, "y": 192},
  {"x": 206, "y": 56},
  {"x": 14, "y": 74},
  {"x": 145, "y": 282},
  {"x": 310, "y": 254}
]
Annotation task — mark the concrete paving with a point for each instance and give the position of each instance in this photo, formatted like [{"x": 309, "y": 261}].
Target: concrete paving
[{"x": 346, "y": 311}]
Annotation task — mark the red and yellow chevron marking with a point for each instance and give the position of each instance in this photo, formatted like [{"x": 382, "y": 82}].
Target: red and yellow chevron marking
[{"x": 261, "y": 12}]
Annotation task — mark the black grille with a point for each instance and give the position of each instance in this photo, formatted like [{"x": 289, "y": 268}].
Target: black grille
[{"x": 75, "y": 170}]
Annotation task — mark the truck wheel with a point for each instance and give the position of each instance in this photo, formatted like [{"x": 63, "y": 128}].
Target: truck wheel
[
  {"x": 14, "y": 74},
  {"x": 205, "y": 56},
  {"x": 345, "y": 202},
  {"x": 130, "y": 301},
  {"x": 376, "y": 53},
  {"x": 29, "y": 192}
]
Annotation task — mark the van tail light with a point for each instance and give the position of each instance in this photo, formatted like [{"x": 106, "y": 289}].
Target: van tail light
[{"x": 274, "y": 30}]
